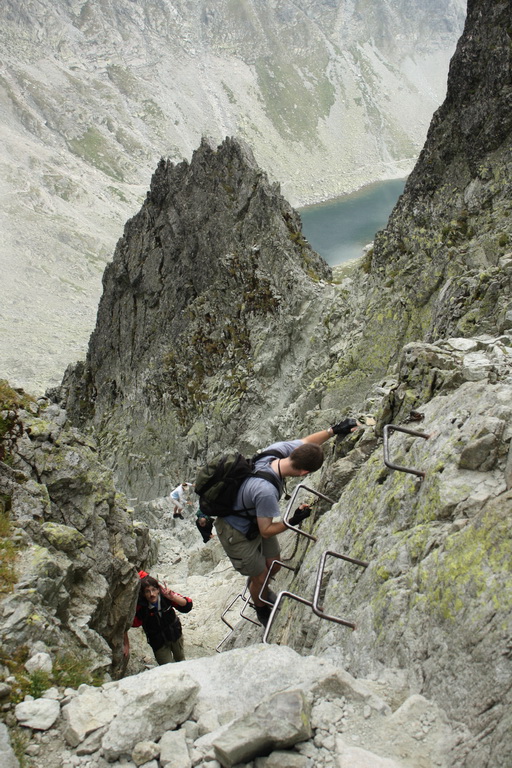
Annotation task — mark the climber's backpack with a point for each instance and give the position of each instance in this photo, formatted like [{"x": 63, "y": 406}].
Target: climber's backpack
[{"x": 217, "y": 483}]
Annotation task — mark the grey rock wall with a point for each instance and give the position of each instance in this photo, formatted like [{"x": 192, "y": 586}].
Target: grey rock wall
[
  {"x": 438, "y": 264},
  {"x": 433, "y": 605},
  {"x": 441, "y": 267},
  {"x": 418, "y": 335},
  {"x": 78, "y": 549}
]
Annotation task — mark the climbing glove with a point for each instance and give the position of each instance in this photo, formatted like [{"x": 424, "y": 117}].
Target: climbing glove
[
  {"x": 344, "y": 427},
  {"x": 300, "y": 514}
]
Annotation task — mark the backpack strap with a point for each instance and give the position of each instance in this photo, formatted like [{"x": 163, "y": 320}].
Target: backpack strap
[
  {"x": 264, "y": 475},
  {"x": 275, "y": 452},
  {"x": 270, "y": 476}
]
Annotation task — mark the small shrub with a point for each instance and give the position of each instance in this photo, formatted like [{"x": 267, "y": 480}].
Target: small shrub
[
  {"x": 11, "y": 400},
  {"x": 71, "y": 670},
  {"x": 38, "y": 682},
  {"x": 20, "y": 740}
]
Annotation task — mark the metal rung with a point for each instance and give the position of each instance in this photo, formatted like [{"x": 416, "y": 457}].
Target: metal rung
[
  {"x": 243, "y": 596},
  {"x": 316, "y": 595},
  {"x": 267, "y": 578},
  {"x": 388, "y": 430},
  {"x": 291, "y": 503},
  {"x": 276, "y": 606}
]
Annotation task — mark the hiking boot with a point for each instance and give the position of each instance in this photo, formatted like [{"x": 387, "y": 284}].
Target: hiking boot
[{"x": 263, "y": 613}]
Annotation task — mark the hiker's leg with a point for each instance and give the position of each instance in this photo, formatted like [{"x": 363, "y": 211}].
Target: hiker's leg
[
  {"x": 255, "y": 585},
  {"x": 178, "y": 649},
  {"x": 272, "y": 552},
  {"x": 247, "y": 558},
  {"x": 178, "y": 508},
  {"x": 164, "y": 655}
]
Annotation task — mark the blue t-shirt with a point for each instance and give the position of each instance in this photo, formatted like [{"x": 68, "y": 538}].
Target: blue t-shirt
[{"x": 258, "y": 496}]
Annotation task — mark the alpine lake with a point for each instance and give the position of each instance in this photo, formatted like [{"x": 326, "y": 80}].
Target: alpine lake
[{"x": 339, "y": 229}]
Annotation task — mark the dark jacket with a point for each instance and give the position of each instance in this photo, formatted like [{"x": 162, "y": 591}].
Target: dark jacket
[{"x": 160, "y": 626}]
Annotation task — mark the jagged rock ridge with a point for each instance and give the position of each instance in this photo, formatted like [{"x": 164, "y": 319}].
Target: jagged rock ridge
[
  {"x": 437, "y": 263},
  {"x": 432, "y": 610},
  {"x": 210, "y": 300},
  {"x": 436, "y": 269}
]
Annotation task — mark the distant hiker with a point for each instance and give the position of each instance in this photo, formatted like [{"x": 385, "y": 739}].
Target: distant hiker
[
  {"x": 155, "y": 613},
  {"x": 204, "y": 525},
  {"x": 180, "y": 498},
  {"x": 249, "y": 538}
]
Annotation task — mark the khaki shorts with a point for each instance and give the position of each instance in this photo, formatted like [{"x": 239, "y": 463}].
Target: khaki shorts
[{"x": 248, "y": 557}]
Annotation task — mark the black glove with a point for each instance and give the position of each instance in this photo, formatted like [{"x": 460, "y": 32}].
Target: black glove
[
  {"x": 300, "y": 514},
  {"x": 344, "y": 427}
]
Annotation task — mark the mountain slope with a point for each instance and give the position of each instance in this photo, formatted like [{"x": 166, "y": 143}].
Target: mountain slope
[{"x": 329, "y": 95}]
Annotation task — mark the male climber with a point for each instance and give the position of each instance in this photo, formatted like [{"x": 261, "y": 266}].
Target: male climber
[{"x": 249, "y": 538}]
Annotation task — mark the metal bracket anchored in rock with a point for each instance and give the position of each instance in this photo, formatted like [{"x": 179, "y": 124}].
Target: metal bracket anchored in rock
[
  {"x": 387, "y": 431},
  {"x": 245, "y": 598},
  {"x": 291, "y": 504},
  {"x": 314, "y": 603}
]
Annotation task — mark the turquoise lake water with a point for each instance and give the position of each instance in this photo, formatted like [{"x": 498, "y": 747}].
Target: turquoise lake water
[{"x": 339, "y": 229}]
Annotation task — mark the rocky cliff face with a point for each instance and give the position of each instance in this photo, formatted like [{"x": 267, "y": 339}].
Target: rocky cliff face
[
  {"x": 437, "y": 264},
  {"x": 328, "y": 94},
  {"x": 211, "y": 301},
  {"x": 70, "y": 547},
  {"x": 437, "y": 269},
  {"x": 419, "y": 336},
  {"x": 432, "y": 610}
]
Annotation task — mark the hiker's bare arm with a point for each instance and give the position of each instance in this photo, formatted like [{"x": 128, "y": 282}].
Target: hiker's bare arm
[
  {"x": 318, "y": 437},
  {"x": 343, "y": 428},
  {"x": 268, "y": 528}
]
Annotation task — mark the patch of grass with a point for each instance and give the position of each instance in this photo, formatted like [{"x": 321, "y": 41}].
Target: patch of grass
[
  {"x": 116, "y": 192},
  {"x": 8, "y": 554},
  {"x": 11, "y": 400},
  {"x": 19, "y": 741},
  {"x": 15, "y": 664},
  {"x": 94, "y": 148},
  {"x": 38, "y": 682},
  {"x": 71, "y": 670},
  {"x": 229, "y": 93}
]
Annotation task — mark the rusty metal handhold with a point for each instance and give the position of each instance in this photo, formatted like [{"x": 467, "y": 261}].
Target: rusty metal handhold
[{"x": 388, "y": 429}]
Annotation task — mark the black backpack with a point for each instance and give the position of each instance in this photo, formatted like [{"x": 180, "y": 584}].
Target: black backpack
[{"x": 217, "y": 483}]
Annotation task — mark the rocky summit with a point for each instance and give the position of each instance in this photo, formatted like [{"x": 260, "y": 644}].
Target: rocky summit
[
  {"x": 211, "y": 299},
  {"x": 390, "y": 643}
]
